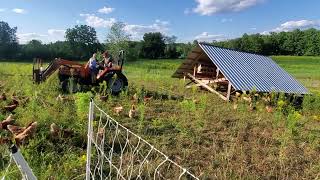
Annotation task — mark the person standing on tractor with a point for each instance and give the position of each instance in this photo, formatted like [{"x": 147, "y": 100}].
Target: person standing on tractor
[
  {"x": 107, "y": 60},
  {"x": 93, "y": 68}
]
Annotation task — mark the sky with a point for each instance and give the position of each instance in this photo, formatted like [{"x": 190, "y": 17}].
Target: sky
[{"x": 203, "y": 20}]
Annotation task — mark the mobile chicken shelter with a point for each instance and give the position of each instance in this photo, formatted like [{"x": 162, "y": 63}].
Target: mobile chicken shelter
[{"x": 225, "y": 71}]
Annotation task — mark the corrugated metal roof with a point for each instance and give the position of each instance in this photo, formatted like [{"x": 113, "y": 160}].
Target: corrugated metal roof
[{"x": 248, "y": 72}]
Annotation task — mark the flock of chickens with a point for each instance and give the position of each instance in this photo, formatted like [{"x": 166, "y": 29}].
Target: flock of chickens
[
  {"x": 21, "y": 134},
  {"x": 133, "y": 112},
  {"x": 252, "y": 100}
]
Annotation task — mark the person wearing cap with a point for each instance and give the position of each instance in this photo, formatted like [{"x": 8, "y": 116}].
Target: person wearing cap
[{"x": 107, "y": 60}]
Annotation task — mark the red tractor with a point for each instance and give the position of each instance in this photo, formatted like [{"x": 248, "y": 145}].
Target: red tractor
[{"x": 71, "y": 73}]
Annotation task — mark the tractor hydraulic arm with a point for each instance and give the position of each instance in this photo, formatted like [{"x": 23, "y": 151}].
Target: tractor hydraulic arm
[{"x": 55, "y": 64}]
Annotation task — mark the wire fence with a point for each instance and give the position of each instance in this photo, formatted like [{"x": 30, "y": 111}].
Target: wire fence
[{"x": 115, "y": 152}]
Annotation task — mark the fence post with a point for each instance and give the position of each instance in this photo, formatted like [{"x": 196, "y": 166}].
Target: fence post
[
  {"x": 90, "y": 119},
  {"x": 22, "y": 164}
]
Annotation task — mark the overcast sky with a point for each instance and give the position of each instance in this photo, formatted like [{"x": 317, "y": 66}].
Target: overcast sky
[{"x": 205, "y": 20}]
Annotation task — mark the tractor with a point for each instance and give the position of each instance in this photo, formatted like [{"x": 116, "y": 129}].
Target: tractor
[{"x": 71, "y": 73}]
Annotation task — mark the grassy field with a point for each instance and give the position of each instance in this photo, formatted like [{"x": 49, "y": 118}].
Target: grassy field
[
  {"x": 305, "y": 69},
  {"x": 201, "y": 132}
]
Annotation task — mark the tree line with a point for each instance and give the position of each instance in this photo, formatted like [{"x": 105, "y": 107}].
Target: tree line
[
  {"x": 297, "y": 42},
  {"x": 81, "y": 42}
]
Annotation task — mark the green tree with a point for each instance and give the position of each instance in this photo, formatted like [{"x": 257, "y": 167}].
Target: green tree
[
  {"x": 83, "y": 41},
  {"x": 153, "y": 45},
  {"x": 118, "y": 39},
  {"x": 171, "y": 47},
  {"x": 8, "y": 40},
  {"x": 312, "y": 39},
  {"x": 35, "y": 49}
]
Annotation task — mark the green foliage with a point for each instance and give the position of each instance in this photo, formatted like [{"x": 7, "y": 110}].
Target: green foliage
[
  {"x": 153, "y": 45},
  {"x": 296, "y": 42},
  {"x": 83, "y": 41},
  {"x": 311, "y": 104},
  {"x": 103, "y": 88},
  {"x": 188, "y": 106},
  {"x": 117, "y": 39},
  {"x": 82, "y": 101},
  {"x": 8, "y": 41}
]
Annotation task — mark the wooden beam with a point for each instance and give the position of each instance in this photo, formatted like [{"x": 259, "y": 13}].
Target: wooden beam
[
  {"x": 196, "y": 52},
  {"x": 217, "y": 75},
  {"x": 229, "y": 91},
  {"x": 207, "y": 87},
  {"x": 190, "y": 86},
  {"x": 219, "y": 80}
]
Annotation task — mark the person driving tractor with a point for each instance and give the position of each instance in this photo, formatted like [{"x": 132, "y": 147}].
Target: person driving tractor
[{"x": 93, "y": 67}]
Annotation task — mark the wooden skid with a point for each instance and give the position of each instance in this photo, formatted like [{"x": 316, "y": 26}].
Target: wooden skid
[{"x": 200, "y": 83}]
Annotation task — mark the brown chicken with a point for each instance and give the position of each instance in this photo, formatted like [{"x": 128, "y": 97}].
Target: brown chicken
[
  {"x": 147, "y": 99},
  {"x": 8, "y": 121},
  {"x": 56, "y": 131},
  {"x": 4, "y": 141},
  {"x": 135, "y": 98},
  {"x": 118, "y": 110},
  {"x": 133, "y": 112},
  {"x": 269, "y": 109},
  {"x": 21, "y": 134},
  {"x": 11, "y": 107},
  {"x": 15, "y": 130},
  {"x": 100, "y": 135}
]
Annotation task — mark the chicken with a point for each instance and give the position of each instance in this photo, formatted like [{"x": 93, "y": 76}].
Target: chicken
[
  {"x": 10, "y": 107},
  {"x": 235, "y": 106},
  {"x": 56, "y": 131},
  {"x": 248, "y": 99},
  {"x": 15, "y": 130},
  {"x": 22, "y": 133},
  {"x": 8, "y": 121},
  {"x": 27, "y": 133},
  {"x": 3, "y": 97},
  {"x": 238, "y": 94},
  {"x": 100, "y": 135},
  {"x": 4, "y": 141},
  {"x": 61, "y": 98},
  {"x": 118, "y": 110},
  {"x": 147, "y": 99},
  {"x": 252, "y": 107},
  {"x": 133, "y": 112},
  {"x": 135, "y": 97},
  {"x": 269, "y": 109}
]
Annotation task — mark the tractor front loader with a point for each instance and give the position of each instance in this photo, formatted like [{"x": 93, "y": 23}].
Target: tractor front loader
[{"x": 77, "y": 73}]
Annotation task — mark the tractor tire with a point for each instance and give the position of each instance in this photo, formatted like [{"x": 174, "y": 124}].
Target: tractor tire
[{"x": 117, "y": 83}]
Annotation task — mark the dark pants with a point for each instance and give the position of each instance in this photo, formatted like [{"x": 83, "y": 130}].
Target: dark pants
[{"x": 93, "y": 74}]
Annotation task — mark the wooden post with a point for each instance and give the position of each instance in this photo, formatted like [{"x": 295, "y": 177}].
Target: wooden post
[
  {"x": 217, "y": 75},
  {"x": 89, "y": 141},
  {"x": 194, "y": 70},
  {"x": 229, "y": 91}
]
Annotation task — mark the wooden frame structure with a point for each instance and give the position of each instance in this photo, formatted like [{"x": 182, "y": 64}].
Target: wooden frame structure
[
  {"x": 202, "y": 72},
  {"x": 225, "y": 71}
]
